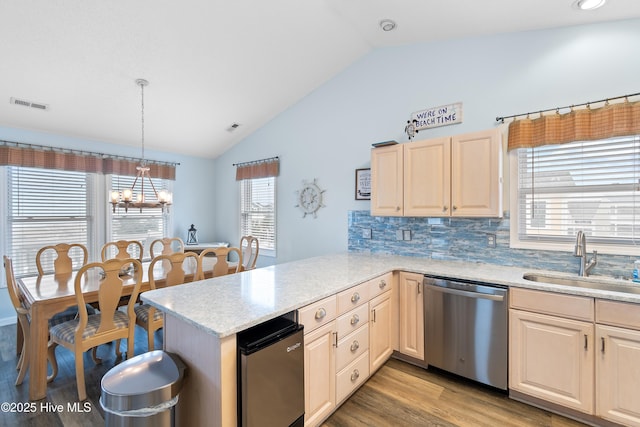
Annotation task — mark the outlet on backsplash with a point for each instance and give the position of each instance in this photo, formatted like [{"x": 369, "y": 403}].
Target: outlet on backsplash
[
  {"x": 406, "y": 234},
  {"x": 491, "y": 240}
]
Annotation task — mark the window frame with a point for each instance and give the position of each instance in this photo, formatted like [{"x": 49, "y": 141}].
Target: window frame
[
  {"x": 567, "y": 246},
  {"x": 264, "y": 251}
]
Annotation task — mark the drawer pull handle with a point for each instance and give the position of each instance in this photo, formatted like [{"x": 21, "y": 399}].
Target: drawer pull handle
[
  {"x": 355, "y": 375},
  {"x": 355, "y": 297},
  {"x": 586, "y": 342},
  {"x": 602, "y": 344},
  {"x": 321, "y": 313},
  {"x": 355, "y": 345},
  {"x": 382, "y": 284},
  {"x": 355, "y": 319}
]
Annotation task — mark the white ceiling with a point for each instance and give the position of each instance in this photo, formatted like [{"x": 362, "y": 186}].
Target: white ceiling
[{"x": 211, "y": 63}]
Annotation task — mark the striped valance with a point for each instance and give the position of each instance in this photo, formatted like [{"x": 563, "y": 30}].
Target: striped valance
[
  {"x": 34, "y": 156},
  {"x": 264, "y": 168},
  {"x": 585, "y": 124}
]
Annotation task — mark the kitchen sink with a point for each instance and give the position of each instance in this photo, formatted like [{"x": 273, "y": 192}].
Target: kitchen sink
[{"x": 601, "y": 283}]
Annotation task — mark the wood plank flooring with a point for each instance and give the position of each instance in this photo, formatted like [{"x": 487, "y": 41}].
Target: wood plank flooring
[{"x": 399, "y": 394}]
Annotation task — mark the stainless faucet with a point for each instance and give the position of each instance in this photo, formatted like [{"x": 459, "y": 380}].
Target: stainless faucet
[{"x": 581, "y": 251}]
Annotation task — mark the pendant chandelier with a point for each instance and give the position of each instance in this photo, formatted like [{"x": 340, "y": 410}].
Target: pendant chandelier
[{"x": 128, "y": 197}]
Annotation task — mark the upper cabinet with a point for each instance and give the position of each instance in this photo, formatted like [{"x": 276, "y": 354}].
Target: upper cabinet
[{"x": 450, "y": 176}]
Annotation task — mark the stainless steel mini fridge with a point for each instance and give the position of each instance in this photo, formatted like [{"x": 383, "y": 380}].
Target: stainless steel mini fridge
[{"x": 271, "y": 374}]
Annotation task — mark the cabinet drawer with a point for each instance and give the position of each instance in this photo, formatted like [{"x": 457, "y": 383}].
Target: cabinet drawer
[
  {"x": 352, "y": 376},
  {"x": 352, "y": 346},
  {"x": 352, "y": 320},
  {"x": 568, "y": 306},
  {"x": 318, "y": 313},
  {"x": 616, "y": 313},
  {"x": 353, "y": 297},
  {"x": 380, "y": 285}
]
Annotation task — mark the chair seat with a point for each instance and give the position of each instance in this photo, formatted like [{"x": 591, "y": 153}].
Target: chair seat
[
  {"x": 66, "y": 332},
  {"x": 69, "y": 314},
  {"x": 142, "y": 313}
]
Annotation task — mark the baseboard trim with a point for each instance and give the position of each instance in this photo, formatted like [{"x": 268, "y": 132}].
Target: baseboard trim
[{"x": 11, "y": 320}]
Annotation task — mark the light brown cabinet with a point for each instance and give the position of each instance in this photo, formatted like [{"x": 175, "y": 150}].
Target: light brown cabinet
[
  {"x": 450, "y": 176},
  {"x": 381, "y": 330},
  {"x": 618, "y": 362},
  {"x": 411, "y": 315}
]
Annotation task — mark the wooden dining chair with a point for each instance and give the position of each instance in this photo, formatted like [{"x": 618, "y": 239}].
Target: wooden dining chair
[
  {"x": 24, "y": 318},
  {"x": 169, "y": 246},
  {"x": 63, "y": 263},
  {"x": 166, "y": 270},
  {"x": 89, "y": 331},
  {"x": 222, "y": 265},
  {"x": 250, "y": 248},
  {"x": 122, "y": 249}
]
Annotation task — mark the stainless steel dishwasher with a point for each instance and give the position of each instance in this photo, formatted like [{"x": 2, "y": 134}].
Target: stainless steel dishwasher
[
  {"x": 271, "y": 374},
  {"x": 466, "y": 329}
]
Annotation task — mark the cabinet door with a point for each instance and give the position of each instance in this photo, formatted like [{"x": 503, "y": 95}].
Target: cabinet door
[
  {"x": 319, "y": 374},
  {"x": 427, "y": 177},
  {"x": 552, "y": 358},
  {"x": 381, "y": 330},
  {"x": 476, "y": 174},
  {"x": 618, "y": 375},
  {"x": 411, "y": 315},
  {"x": 387, "y": 181}
]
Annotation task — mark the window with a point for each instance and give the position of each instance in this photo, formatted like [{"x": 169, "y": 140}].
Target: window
[
  {"x": 145, "y": 226},
  {"x": 258, "y": 210},
  {"x": 40, "y": 215},
  {"x": 50, "y": 206},
  {"x": 592, "y": 186}
]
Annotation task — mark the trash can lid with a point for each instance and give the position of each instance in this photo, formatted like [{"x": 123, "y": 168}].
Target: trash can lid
[{"x": 144, "y": 381}]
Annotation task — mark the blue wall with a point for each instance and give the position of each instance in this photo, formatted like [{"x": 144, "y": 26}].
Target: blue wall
[{"x": 328, "y": 134}]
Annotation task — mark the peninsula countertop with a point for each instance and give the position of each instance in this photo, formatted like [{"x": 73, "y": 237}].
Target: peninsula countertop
[{"x": 225, "y": 305}]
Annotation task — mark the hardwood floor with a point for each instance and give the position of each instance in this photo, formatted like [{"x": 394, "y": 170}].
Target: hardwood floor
[{"x": 399, "y": 394}]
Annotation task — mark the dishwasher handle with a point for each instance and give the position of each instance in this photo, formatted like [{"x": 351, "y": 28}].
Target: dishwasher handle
[{"x": 466, "y": 293}]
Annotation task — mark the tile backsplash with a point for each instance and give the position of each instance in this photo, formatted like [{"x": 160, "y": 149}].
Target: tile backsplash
[{"x": 475, "y": 240}]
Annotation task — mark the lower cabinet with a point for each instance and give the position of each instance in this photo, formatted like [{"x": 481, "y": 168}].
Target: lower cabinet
[
  {"x": 618, "y": 362},
  {"x": 589, "y": 362},
  {"x": 411, "y": 315},
  {"x": 551, "y": 358},
  {"x": 319, "y": 374},
  {"x": 381, "y": 330}
]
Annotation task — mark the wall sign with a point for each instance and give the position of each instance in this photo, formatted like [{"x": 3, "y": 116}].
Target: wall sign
[
  {"x": 363, "y": 184},
  {"x": 434, "y": 117}
]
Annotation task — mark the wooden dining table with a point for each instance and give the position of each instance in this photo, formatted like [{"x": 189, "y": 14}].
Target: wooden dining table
[{"x": 50, "y": 294}]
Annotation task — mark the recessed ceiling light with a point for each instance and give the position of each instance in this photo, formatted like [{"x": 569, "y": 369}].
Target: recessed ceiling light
[
  {"x": 589, "y": 4},
  {"x": 387, "y": 25}
]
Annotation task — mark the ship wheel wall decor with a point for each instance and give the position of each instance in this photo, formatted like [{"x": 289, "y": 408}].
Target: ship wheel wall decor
[{"x": 309, "y": 198}]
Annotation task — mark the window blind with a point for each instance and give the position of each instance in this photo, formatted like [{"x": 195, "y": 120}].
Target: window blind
[
  {"x": 588, "y": 185},
  {"x": 45, "y": 207},
  {"x": 257, "y": 210}
]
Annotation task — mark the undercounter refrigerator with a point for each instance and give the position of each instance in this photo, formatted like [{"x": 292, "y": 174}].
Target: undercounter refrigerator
[{"x": 271, "y": 374}]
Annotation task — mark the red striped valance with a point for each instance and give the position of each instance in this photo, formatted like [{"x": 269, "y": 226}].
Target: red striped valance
[{"x": 52, "y": 158}]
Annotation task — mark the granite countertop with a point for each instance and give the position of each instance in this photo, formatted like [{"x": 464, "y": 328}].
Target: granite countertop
[{"x": 226, "y": 305}]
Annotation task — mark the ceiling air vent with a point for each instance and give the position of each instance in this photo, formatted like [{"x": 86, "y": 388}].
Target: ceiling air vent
[
  {"x": 36, "y": 105},
  {"x": 233, "y": 127}
]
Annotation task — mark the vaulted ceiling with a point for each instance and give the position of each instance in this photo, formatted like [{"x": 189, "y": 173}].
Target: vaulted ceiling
[{"x": 213, "y": 63}]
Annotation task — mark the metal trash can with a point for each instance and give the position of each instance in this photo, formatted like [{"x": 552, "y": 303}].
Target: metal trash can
[{"x": 143, "y": 391}]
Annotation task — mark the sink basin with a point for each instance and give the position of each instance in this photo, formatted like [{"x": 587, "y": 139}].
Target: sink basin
[{"x": 593, "y": 282}]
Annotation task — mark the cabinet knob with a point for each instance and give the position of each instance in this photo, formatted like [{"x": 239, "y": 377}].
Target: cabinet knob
[
  {"x": 355, "y": 375},
  {"x": 382, "y": 284},
  {"x": 355, "y": 297},
  {"x": 397, "y": 208},
  {"x": 355, "y": 346},
  {"x": 321, "y": 313},
  {"x": 444, "y": 208},
  {"x": 454, "y": 207},
  {"x": 355, "y": 319}
]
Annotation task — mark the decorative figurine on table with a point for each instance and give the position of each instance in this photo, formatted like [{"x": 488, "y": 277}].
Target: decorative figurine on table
[{"x": 192, "y": 236}]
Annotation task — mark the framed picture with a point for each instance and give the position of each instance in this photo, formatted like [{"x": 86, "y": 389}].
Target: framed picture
[{"x": 363, "y": 184}]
